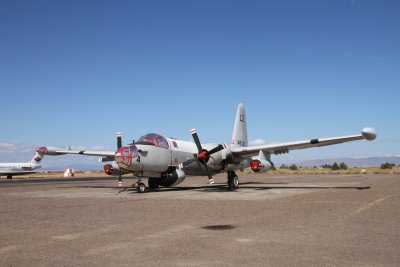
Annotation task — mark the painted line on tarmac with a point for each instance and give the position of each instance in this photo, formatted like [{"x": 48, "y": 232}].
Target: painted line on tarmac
[{"x": 371, "y": 204}]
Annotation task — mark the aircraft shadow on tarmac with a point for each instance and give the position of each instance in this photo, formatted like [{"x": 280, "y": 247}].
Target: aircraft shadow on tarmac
[{"x": 224, "y": 188}]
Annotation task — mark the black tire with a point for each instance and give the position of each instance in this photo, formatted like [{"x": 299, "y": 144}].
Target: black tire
[
  {"x": 141, "y": 188},
  {"x": 233, "y": 182},
  {"x": 9, "y": 176},
  {"x": 153, "y": 185}
]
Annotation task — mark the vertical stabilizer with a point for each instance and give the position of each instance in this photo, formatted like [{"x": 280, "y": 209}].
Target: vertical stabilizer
[
  {"x": 40, "y": 152},
  {"x": 239, "y": 137}
]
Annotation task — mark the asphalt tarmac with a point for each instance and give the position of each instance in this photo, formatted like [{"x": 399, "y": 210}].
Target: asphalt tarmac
[{"x": 272, "y": 220}]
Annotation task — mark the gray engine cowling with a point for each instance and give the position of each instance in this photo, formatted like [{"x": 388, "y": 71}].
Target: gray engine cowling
[{"x": 171, "y": 178}]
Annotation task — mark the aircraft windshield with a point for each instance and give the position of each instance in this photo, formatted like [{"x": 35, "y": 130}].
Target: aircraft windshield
[
  {"x": 153, "y": 140},
  {"x": 127, "y": 151}
]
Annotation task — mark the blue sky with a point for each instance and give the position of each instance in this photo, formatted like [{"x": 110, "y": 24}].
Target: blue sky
[{"x": 76, "y": 72}]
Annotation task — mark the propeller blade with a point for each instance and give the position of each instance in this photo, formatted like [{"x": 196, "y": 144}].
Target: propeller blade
[
  {"x": 189, "y": 161},
  {"x": 196, "y": 139},
  {"x": 119, "y": 145},
  {"x": 216, "y": 149},
  {"x": 119, "y": 140},
  {"x": 210, "y": 179},
  {"x": 203, "y": 155},
  {"x": 186, "y": 163}
]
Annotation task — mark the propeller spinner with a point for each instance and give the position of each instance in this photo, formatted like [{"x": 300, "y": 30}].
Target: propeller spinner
[{"x": 203, "y": 155}]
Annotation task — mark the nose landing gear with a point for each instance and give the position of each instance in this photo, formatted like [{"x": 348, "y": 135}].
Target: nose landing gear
[
  {"x": 139, "y": 185},
  {"x": 141, "y": 188}
]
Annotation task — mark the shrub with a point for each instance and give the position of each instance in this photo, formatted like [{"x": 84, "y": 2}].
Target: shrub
[
  {"x": 293, "y": 167},
  {"x": 335, "y": 166},
  {"x": 343, "y": 166},
  {"x": 387, "y": 165}
]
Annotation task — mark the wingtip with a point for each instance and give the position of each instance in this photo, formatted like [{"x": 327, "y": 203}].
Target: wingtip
[
  {"x": 42, "y": 150},
  {"x": 369, "y": 133}
]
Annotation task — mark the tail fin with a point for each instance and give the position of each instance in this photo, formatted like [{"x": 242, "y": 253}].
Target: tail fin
[
  {"x": 40, "y": 152},
  {"x": 239, "y": 137}
]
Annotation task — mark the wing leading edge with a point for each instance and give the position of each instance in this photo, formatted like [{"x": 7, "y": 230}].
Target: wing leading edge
[
  {"x": 56, "y": 151},
  {"x": 244, "y": 152}
]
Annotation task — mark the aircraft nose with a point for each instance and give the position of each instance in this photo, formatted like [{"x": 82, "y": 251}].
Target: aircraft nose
[
  {"x": 123, "y": 156},
  {"x": 120, "y": 152}
]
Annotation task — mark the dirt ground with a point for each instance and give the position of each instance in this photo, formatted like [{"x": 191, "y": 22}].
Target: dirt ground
[{"x": 274, "y": 220}]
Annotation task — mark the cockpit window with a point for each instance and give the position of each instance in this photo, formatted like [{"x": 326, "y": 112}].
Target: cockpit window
[
  {"x": 153, "y": 140},
  {"x": 127, "y": 151}
]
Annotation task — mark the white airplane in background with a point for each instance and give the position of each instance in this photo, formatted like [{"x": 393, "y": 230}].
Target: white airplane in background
[
  {"x": 167, "y": 161},
  {"x": 21, "y": 168}
]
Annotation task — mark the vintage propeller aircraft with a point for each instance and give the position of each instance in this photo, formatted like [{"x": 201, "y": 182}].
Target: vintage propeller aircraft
[{"x": 167, "y": 161}]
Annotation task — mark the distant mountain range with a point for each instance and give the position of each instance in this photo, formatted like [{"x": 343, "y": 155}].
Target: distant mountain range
[{"x": 351, "y": 162}]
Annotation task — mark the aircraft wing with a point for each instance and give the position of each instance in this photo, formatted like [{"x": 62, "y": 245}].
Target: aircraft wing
[
  {"x": 244, "y": 152},
  {"x": 100, "y": 153}
]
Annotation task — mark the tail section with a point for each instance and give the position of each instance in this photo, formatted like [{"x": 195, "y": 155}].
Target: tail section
[
  {"x": 239, "y": 137},
  {"x": 40, "y": 152}
]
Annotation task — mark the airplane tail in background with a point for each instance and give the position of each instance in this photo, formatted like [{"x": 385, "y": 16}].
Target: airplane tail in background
[
  {"x": 239, "y": 137},
  {"x": 40, "y": 152}
]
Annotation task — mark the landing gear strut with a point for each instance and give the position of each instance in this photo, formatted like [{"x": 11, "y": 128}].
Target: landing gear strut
[{"x": 233, "y": 180}]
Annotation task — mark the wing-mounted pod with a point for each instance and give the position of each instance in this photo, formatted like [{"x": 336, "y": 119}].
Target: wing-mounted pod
[
  {"x": 369, "y": 133},
  {"x": 113, "y": 169},
  {"x": 262, "y": 163}
]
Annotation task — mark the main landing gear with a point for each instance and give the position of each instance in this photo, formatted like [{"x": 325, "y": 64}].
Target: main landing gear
[
  {"x": 153, "y": 184},
  {"x": 233, "y": 181}
]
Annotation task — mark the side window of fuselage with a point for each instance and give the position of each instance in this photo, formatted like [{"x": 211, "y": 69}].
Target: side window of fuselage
[{"x": 134, "y": 151}]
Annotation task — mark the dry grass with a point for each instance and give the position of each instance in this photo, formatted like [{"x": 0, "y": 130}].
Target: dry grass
[{"x": 370, "y": 170}]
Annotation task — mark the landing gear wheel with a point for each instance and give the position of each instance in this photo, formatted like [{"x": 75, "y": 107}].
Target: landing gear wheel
[
  {"x": 153, "y": 185},
  {"x": 9, "y": 176},
  {"x": 141, "y": 188},
  {"x": 233, "y": 182}
]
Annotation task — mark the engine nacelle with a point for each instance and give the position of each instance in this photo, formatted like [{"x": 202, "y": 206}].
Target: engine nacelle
[
  {"x": 112, "y": 169},
  {"x": 174, "y": 177},
  {"x": 260, "y": 165},
  {"x": 108, "y": 169}
]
